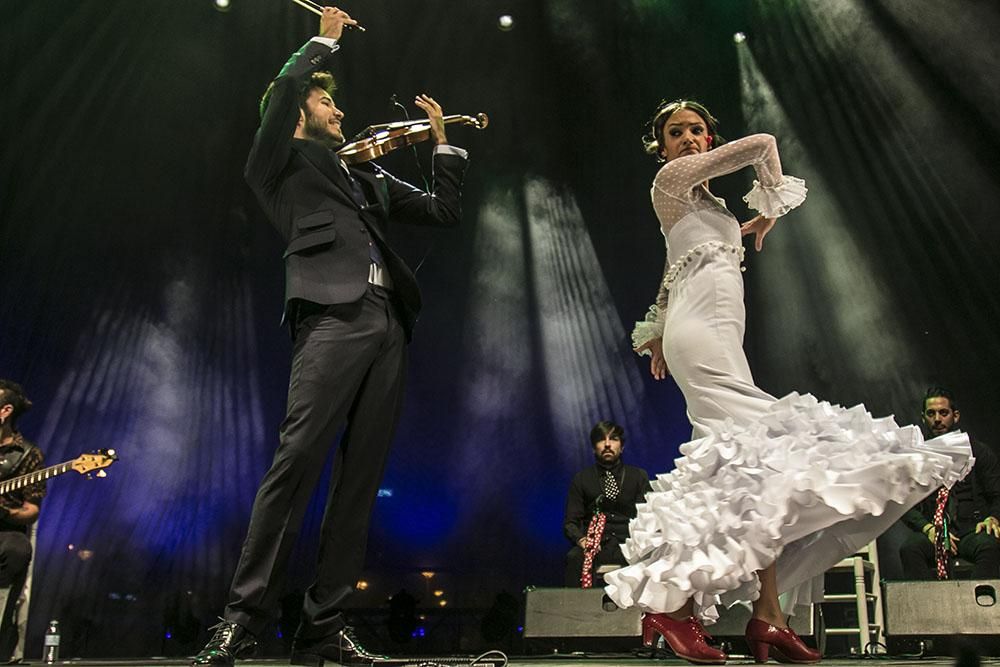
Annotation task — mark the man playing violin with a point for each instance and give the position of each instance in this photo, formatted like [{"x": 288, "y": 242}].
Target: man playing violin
[
  {"x": 351, "y": 303},
  {"x": 19, "y": 509}
]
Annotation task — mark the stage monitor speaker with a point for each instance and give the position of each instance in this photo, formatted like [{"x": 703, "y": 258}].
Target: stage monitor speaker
[
  {"x": 928, "y": 608},
  {"x": 577, "y": 612}
]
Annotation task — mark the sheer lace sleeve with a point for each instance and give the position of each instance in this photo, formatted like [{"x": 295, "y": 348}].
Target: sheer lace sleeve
[
  {"x": 773, "y": 193},
  {"x": 652, "y": 325}
]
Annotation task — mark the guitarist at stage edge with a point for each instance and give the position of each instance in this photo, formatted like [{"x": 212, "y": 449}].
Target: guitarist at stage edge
[{"x": 19, "y": 509}]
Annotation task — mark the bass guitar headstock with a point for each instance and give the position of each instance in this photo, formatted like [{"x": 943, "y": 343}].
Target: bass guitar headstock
[{"x": 98, "y": 460}]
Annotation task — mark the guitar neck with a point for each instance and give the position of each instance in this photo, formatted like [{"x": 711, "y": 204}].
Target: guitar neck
[{"x": 15, "y": 483}]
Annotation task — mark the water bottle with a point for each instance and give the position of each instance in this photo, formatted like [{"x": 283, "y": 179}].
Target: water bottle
[{"x": 50, "y": 651}]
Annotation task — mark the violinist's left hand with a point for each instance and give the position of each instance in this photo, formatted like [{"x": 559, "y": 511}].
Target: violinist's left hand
[{"x": 435, "y": 115}]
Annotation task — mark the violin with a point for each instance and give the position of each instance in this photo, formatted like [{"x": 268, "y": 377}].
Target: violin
[{"x": 377, "y": 140}]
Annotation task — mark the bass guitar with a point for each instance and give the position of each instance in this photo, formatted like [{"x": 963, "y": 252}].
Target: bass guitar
[{"x": 82, "y": 464}]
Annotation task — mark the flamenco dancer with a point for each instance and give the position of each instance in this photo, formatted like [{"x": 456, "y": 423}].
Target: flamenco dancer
[{"x": 771, "y": 492}]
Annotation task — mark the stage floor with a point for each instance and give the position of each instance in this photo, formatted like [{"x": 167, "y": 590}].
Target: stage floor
[{"x": 562, "y": 661}]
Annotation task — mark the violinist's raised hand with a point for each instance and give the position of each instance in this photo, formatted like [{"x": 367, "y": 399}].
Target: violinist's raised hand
[
  {"x": 332, "y": 22},
  {"x": 435, "y": 115}
]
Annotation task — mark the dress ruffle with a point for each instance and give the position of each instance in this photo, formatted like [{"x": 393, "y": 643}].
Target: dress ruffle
[
  {"x": 649, "y": 329},
  {"x": 806, "y": 480},
  {"x": 774, "y": 202}
]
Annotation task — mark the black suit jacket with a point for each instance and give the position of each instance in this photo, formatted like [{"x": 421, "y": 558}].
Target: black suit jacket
[
  {"x": 306, "y": 194},
  {"x": 588, "y": 486},
  {"x": 971, "y": 500}
]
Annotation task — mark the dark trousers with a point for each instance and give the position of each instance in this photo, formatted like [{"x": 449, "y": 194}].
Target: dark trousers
[
  {"x": 348, "y": 367},
  {"x": 610, "y": 554},
  {"x": 15, "y": 554},
  {"x": 980, "y": 549}
]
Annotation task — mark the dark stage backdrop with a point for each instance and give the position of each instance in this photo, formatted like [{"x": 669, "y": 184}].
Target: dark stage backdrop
[{"x": 140, "y": 286}]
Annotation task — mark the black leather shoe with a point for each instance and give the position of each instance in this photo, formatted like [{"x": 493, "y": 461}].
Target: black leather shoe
[
  {"x": 341, "y": 647},
  {"x": 230, "y": 641}
]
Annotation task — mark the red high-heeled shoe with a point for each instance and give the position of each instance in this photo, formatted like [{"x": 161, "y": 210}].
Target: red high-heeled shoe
[
  {"x": 686, "y": 638},
  {"x": 783, "y": 643}
]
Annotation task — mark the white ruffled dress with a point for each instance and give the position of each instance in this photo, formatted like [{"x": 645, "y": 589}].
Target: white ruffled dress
[{"x": 793, "y": 480}]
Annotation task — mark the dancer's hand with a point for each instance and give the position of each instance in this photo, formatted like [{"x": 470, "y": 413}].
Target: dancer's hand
[
  {"x": 990, "y": 525},
  {"x": 657, "y": 365},
  {"x": 759, "y": 226}
]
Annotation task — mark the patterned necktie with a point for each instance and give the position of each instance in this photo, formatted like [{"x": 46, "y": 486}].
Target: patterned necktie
[
  {"x": 611, "y": 490},
  {"x": 942, "y": 542}
]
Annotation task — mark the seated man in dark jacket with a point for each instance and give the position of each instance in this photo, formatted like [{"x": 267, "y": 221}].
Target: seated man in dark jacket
[
  {"x": 602, "y": 499},
  {"x": 967, "y": 524}
]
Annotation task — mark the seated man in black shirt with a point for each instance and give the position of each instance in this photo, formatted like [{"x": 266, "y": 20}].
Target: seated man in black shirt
[
  {"x": 609, "y": 488},
  {"x": 968, "y": 524}
]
